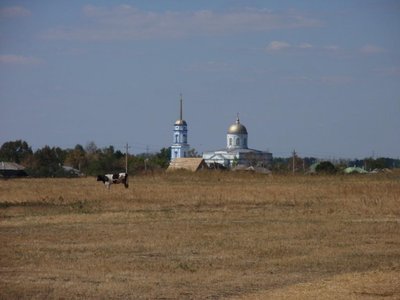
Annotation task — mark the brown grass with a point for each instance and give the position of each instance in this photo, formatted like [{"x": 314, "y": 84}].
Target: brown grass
[{"x": 203, "y": 235}]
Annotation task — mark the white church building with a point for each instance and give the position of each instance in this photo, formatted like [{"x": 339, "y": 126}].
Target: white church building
[{"x": 237, "y": 153}]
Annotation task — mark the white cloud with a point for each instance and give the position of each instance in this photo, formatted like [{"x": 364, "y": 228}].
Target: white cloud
[
  {"x": 14, "y": 11},
  {"x": 125, "y": 22},
  {"x": 19, "y": 60},
  {"x": 281, "y": 45},
  {"x": 305, "y": 46},
  {"x": 372, "y": 49},
  {"x": 278, "y": 45}
]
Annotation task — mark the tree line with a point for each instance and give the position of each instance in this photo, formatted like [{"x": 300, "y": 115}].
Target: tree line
[
  {"x": 81, "y": 160},
  {"x": 91, "y": 160},
  {"x": 302, "y": 165}
]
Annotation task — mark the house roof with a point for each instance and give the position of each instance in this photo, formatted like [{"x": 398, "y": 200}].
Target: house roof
[
  {"x": 191, "y": 164},
  {"x": 11, "y": 169},
  {"x": 10, "y": 166}
]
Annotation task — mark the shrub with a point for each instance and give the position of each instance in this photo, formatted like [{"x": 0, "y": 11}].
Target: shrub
[{"x": 325, "y": 167}]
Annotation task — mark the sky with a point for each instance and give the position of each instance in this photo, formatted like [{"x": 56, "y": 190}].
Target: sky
[{"x": 320, "y": 77}]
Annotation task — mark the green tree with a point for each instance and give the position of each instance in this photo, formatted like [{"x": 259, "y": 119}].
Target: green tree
[
  {"x": 47, "y": 162},
  {"x": 163, "y": 157},
  {"x": 15, "y": 151},
  {"x": 105, "y": 160},
  {"x": 192, "y": 153},
  {"x": 92, "y": 155},
  {"x": 280, "y": 164},
  {"x": 136, "y": 163},
  {"x": 76, "y": 158},
  {"x": 325, "y": 167},
  {"x": 379, "y": 163}
]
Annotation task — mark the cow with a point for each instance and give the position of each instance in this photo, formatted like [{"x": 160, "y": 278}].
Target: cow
[{"x": 109, "y": 179}]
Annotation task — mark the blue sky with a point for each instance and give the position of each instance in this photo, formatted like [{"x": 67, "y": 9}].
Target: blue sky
[{"x": 321, "y": 77}]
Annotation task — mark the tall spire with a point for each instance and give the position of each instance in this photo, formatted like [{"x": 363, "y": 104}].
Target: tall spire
[
  {"x": 181, "y": 113},
  {"x": 180, "y": 146}
]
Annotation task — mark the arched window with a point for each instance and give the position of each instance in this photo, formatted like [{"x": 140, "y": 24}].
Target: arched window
[
  {"x": 176, "y": 138},
  {"x": 237, "y": 142},
  {"x": 230, "y": 141}
]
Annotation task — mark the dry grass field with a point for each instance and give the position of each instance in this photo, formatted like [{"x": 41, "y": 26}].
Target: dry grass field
[{"x": 204, "y": 235}]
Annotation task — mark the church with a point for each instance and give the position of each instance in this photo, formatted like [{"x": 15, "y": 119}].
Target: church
[{"x": 236, "y": 153}]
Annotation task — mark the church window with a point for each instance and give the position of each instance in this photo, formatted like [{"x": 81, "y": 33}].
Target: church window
[
  {"x": 237, "y": 142},
  {"x": 230, "y": 141},
  {"x": 176, "y": 138}
]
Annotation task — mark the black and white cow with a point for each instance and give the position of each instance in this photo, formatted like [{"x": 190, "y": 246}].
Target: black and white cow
[{"x": 109, "y": 179}]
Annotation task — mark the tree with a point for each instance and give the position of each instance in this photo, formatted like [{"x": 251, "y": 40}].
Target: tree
[
  {"x": 325, "y": 167},
  {"x": 76, "y": 158},
  {"x": 379, "y": 163},
  {"x": 235, "y": 162},
  {"x": 105, "y": 160},
  {"x": 163, "y": 157},
  {"x": 16, "y": 151},
  {"x": 193, "y": 153},
  {"x": 280, "y": 164},
  {"x": 137, "y": 163},
  {"x": 92, "y": 155},
  {"x": 295, "y": 163},
  {"x": 47, "y": 162},
  {"x": 91, "y": 147},
  {"x": 308, "y": 161}
]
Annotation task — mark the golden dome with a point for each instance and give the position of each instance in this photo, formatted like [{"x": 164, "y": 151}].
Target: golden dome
[
  {"x": 237, "y": 128},
  {"x": 180, "y": 122}
]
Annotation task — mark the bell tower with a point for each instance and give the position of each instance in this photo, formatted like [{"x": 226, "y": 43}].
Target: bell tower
[{"x": 180, "y": 146}]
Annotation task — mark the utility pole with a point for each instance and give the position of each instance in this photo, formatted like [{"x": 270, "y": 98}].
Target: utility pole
[
  {"x": 126, "y": 157},
  {"x": 293, "y": 160}
]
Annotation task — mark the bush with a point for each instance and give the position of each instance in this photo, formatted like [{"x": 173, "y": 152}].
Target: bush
[{"x": 326, "y": 167}]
